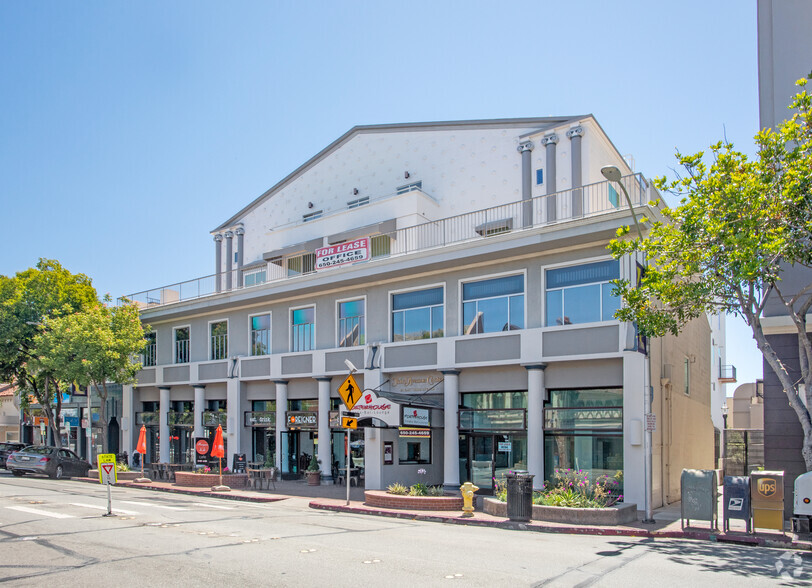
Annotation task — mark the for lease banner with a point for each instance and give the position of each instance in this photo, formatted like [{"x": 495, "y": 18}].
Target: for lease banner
[{"x": 349, "y": 252}]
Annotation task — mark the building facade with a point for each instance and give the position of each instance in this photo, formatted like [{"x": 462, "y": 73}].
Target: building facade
[{"x": 462, "y": 269}]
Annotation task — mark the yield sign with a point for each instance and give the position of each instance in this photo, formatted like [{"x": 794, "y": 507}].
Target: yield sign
[
  {"x": 107, "y": 468},
  {"x": 350, "y": 392}
]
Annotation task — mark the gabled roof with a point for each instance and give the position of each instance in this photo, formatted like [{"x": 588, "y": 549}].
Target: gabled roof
[
  {"x": 539, "y": 124},
  {"x": 7, "y": 390}
]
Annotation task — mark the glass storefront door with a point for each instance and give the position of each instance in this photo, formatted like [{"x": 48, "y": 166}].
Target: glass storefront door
[
  {"x": 485, "y": 457},
  {"x": 180, "y": 445},
  {"x": 264, "y": 445}
]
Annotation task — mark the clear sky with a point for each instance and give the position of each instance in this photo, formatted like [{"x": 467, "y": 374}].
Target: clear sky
[{"x": 129, "y": 130}]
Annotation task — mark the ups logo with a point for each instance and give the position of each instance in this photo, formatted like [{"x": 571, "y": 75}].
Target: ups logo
[{"x": 766, "y": 487}]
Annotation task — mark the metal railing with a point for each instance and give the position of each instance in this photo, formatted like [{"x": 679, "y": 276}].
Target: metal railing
[
  {"x": 182, "y": 351},
  {"x": 584, "y": 202},
  {"x": 727, "y": 373},
  {"x": 149, "y": 355},
  {"x": 219, "y": 346}
]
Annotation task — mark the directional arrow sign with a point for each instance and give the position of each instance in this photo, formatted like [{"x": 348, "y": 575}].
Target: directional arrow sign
[
  {"x": 350, "y": 392},
  {"x": 107, "y": 468},
  {"x": 349, "y": 422}
]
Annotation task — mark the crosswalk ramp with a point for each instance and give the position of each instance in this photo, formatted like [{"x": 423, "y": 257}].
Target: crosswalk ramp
[{"x": 83, "y": 509}]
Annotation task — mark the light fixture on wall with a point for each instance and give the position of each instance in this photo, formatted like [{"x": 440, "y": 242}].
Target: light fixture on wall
[
  {"x": 406, "y": 174},
  {"x": 310, "y": 205},
  {"x": 355, "y": 191}
]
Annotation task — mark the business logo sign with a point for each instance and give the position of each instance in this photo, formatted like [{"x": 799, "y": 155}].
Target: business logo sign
[
  {"x": 416, "y": 416},
  {"x": 303, "y": 420},
  {"x": 343, "y": 253},
  {"x": 370, "y": 405},
  {"x": 766, "y": 487}
]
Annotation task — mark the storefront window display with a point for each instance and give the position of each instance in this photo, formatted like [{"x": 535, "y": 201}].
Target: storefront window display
[
  {"x": 583, "y": 430},
  {"x": 262, "y": 420}
]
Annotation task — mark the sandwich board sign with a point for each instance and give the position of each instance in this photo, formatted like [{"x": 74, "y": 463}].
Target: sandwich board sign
[{"x": 107, "y": 468}]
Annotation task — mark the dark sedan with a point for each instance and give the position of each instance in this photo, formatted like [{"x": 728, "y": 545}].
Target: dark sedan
[
  {"x": 44, "y": 459},
  {"x": 6, "y": 448}
]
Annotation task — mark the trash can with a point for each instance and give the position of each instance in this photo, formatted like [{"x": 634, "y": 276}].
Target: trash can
[
  {"x": 519, "y": 495},
  {"x": 736, "y": 500},
  {"x": 698, "y": 491},
  {"x": 767, "y": 498}
]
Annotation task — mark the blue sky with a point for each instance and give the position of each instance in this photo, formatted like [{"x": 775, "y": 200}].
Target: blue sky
[{"x": 128, "y": 130}]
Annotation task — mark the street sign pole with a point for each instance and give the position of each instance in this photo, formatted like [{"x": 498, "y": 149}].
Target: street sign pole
[
  {"x": 109, "y": 500},
  {"x": 347, "y": 466}
]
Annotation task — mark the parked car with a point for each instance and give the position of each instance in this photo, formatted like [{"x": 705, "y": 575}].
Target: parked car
[
  {"x": 6, "y": 448},
  {"x": 44, "y": 459}
]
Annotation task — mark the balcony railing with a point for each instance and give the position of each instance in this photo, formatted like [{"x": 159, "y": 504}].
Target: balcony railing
[
  {"x": 727, "y": 373},
  {"x": 584, "y": 202},
  {"x": 149, "y": 355}
]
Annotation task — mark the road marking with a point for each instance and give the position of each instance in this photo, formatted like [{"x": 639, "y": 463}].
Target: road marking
[
  {"x": 36, "y": 511},
  {"x": 97, "y": 507},
  {"x": 153, "y": 505},
  {"x": 213, "y": 506}
]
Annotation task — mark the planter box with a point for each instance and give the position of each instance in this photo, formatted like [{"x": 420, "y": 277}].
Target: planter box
[
  {"x": 193, "y": 480},
  {"x": 383, "y": 499},
  {"x": 618, "y": 514}
]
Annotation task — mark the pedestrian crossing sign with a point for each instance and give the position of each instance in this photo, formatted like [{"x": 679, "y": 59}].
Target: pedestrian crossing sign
[
  {"x": 350, "y": 392},
  {"x": 349, "y": 422}
]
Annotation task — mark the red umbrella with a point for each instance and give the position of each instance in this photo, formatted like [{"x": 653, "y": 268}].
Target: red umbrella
[
  {"x": 142, "y": 446},
  {"x": 218, "y": 450}
]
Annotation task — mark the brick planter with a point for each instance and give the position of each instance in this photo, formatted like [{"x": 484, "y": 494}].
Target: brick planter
[
  {"x": 383, "y": 499},
  {"x": 193, "y": 480},
  {"x": 120, "y": 476},
  {"x": 618, "y": 514}
]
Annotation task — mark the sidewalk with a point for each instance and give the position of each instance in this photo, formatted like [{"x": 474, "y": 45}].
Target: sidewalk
[{"x": 332, "y": 497}]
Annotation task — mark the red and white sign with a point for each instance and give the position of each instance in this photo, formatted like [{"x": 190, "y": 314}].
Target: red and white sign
[
  {"x": 343, "y": 253},
  {"x": 202, "y": 446},
  {"x": 372, "y": 406}
]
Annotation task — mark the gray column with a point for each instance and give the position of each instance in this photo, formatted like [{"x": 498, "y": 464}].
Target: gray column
[
  {"x": 535, "y": 422},
  {"x": 451, "y": 431},
  {"x": 281, "y": 421},
  {"x": 218, "y": 262},
  {"x": 324, "y": 454},
  {"x": 549, "y": 142},
  {"x": 127, "y": 419},
  {"x": 526, "y": 149},
  {"x": 233, "y": 406},
  {"x": 163, "y": 425},
  {"x": 200, "y": 406},
  {"x": 575, "y": 134},
  {"x": 229, "y": 259},
  {"x": 240, "y": 239}
]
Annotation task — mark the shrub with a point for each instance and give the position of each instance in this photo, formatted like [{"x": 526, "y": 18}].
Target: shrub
[
  {"x": 397, "y": 488},
  {"x": 436, "y": 491},
  {"x": 122, "y": 467},
  {"x": 418, "y": 489}
]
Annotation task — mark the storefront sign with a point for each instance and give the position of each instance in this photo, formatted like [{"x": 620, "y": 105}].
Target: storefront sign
[
  {"x": 414, "y": 433},
  {"x": 370, "y": 405},
  {"x": 336, "y": 255},
  {"x": 260, "y": 418},
  {"x": 417, "y": 382},
  {"x": 416, "y": 416},
  {"x": 38, "y": 420},
  {"x": 505, "y": 446},
  {"x": 302, "y": 420}
]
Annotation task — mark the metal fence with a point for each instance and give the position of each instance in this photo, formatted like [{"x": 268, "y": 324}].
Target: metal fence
[{"x": 744, "y": 451}]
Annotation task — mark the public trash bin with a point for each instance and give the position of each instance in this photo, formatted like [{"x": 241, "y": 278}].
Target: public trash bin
[
  {"x": 736, "y": 500},
  {"x": 519, "y": 495},
  {"x": 698, "y": 491},
  {"x": 767, "y": 498}
]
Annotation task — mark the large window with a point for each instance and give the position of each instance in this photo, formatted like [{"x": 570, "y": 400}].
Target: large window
[
  {"x": 149, "y": 355},
  {"x": 351, "y": 323},
  {"x": 261, "y": 334},
  {"x": 583, "y": 430},
  {"x": 182, "y": 345},
  {"x": 218, "y": 332},
  {"x": 303, "y": 329},
  {"x": 582, "y": 293},
  {"x": 417, "y": 315},
  {"x": 494, "y": 305}
]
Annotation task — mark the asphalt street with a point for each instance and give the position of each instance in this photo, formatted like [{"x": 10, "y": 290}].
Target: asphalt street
[{"x": 55, "y": 532}]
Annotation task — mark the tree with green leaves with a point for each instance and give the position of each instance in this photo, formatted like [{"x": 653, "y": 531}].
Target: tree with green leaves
[
  {"x": 93, "y": 347},
  {"x": 27, "y": 300},
  {"x": 740, "y": 225}
]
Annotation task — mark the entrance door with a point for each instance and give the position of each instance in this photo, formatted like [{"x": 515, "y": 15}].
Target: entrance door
[
  {"x": 484, "y": 458},
  {"x": 293, "y": 470},
  {"x": 482, "y": 462}
]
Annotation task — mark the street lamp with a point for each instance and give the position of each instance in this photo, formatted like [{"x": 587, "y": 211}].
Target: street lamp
[{"x": 612, "y": 173}]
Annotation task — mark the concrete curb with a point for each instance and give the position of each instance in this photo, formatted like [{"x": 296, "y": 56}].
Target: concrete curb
[
  {"x": 224, "y": 495},
  {"x": 736, "y": 539}
]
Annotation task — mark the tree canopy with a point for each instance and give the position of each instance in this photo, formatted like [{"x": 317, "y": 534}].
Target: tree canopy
[{"x": 740, "y": 225}]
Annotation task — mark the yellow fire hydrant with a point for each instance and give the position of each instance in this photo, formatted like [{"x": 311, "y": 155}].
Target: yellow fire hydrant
[{"x": 468, "y": 490}]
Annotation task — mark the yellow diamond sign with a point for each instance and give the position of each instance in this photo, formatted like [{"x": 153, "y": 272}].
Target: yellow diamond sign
[{"x": 350, "y": 392}]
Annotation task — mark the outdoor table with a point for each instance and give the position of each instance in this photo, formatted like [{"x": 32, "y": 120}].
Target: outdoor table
[{"x": 171, "y": 468}]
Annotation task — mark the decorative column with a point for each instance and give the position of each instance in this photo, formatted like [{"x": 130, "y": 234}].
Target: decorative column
[
  {"x": 325, "y": 454},
  {"x": 575, "y": 134},
  {"x": 229, "y": 259},
  {"x": 549, "y": 142},
  {"x": 281, "y": 423},
  {"x": 127, "y": 419},
  {"x": 233, "y": 406},
  {"x": 526, "y": 148},
  {"x": 535, "y": 422},
  {"x": 163, "y": 425},
  {"x": 451, "y": 431},
  {"x": 218, "y": 262},
  {"x": 240, "y": 238},
  {"x": 200, "y": 405}
]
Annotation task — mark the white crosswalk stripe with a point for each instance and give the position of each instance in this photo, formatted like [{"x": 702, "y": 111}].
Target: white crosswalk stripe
[
  {"x": 213, "y": 506},
  {"x": 152, "y": 505},
  {"x": 97, "y": 507},
  {"x": 37, "y": 511}
]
